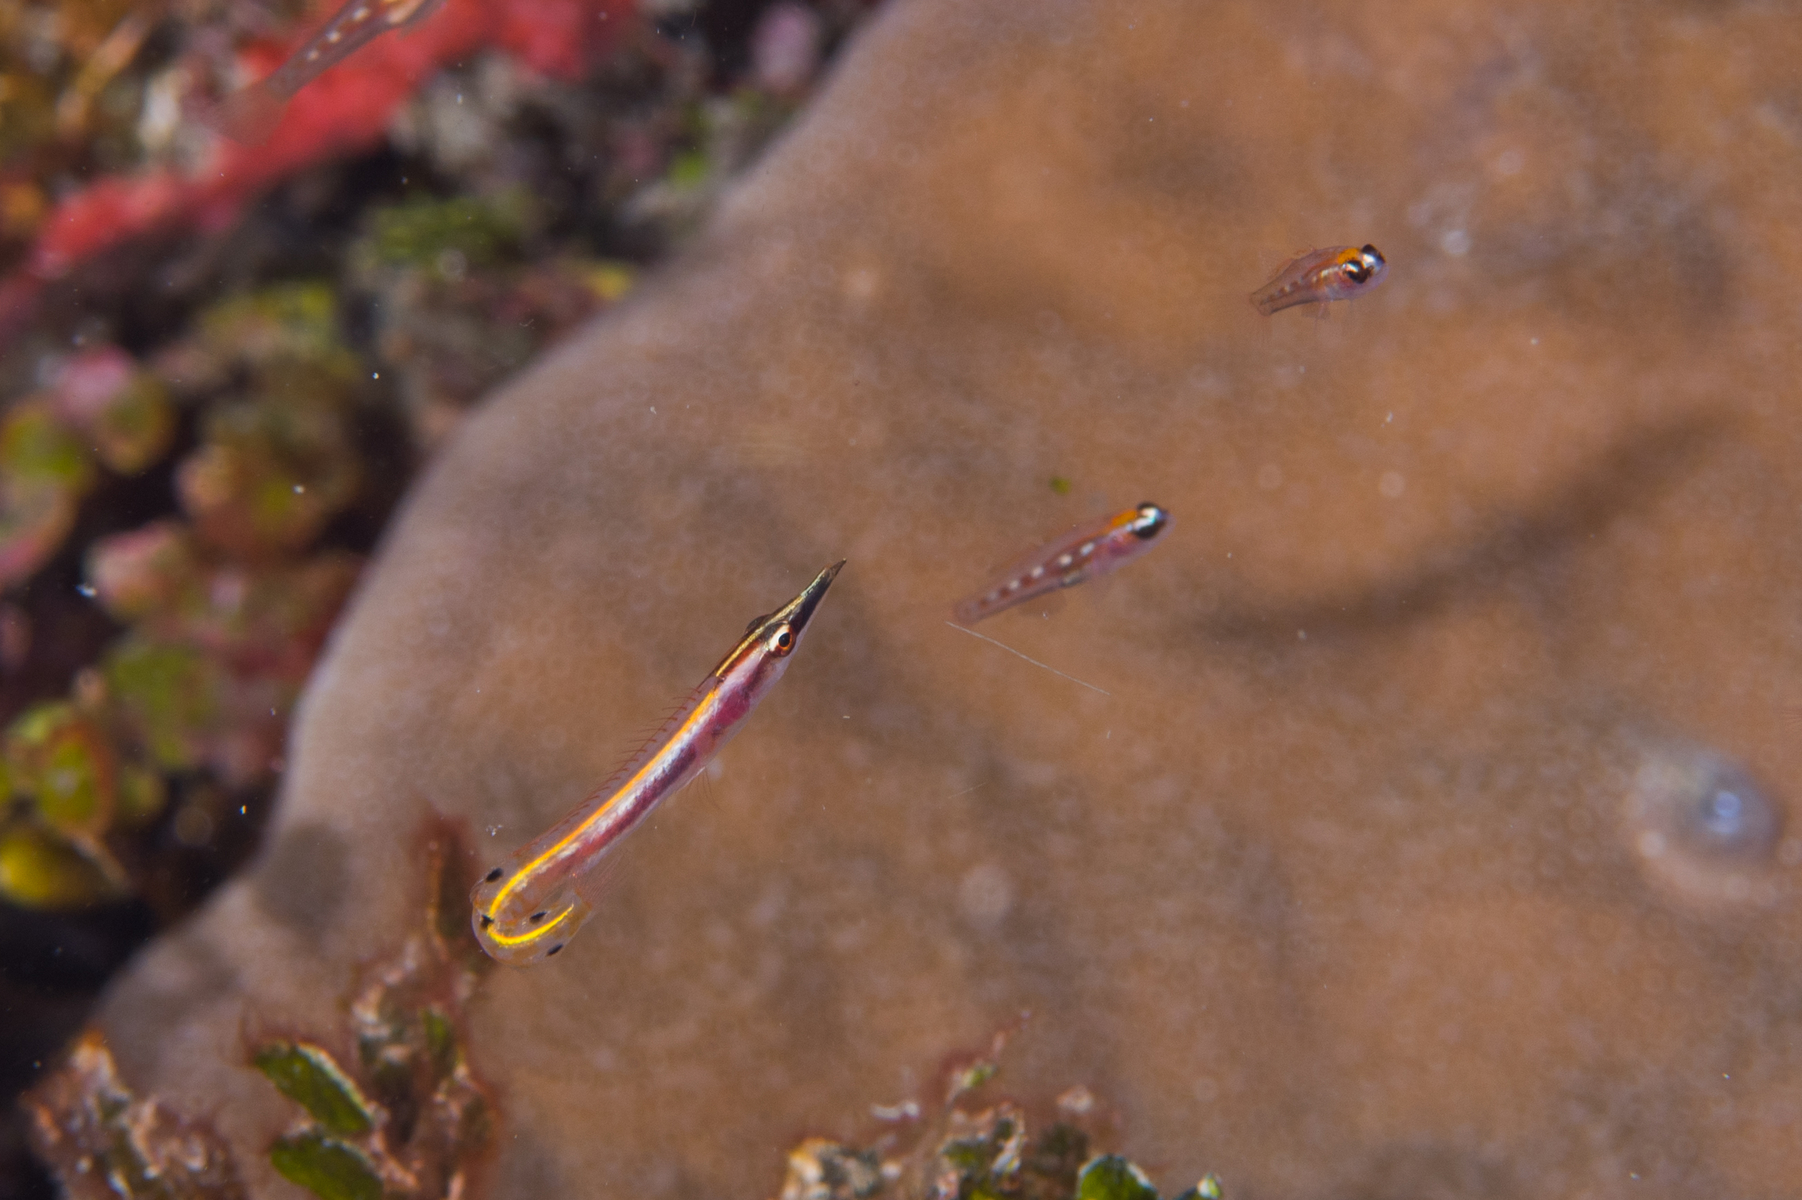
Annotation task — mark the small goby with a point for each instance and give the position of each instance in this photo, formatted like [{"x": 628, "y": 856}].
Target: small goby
[
  {"x": 1319, "y": 276},
  {"x": 1094, "y": 549}
]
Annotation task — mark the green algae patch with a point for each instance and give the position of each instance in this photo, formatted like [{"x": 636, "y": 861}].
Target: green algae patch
[
  {"x": 62, "y": 759},
  {"x": 405, "y": 1118},
  {"x": 225, "y": 606},
  {"x": 326, "y": 1167},
  {"x": 988, "y": 1157},
  {"x": 35, "y": 447},
  {"x": 973, "y": 1076},
  {"x": 285, "y": 337},
  {"x": 66, "y": 791},
  {"x": 973, "y": 1150},
  {"x": 1112, "y": 1177},
  {"x": 136, "y": 425},
  {"x": 309, "y": 1076},
  {"x": 418, "y": 232},
  {"x": 42, "y": 871},
  {"x": 168, "y": 693},
  {"x": 443, "y": 1053}
]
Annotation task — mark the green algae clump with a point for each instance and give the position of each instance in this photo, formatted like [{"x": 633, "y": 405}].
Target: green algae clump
[
  {"x": 325, "y": 1166},
  {"x": 40, "y": 870},
  {"x": 307, "y": 1075},
  {"x": 971, "y": 1151},
  {"x": 408, "y": 1120}
]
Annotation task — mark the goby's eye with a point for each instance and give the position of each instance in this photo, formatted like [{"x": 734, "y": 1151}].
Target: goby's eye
[
  {"x": 1357, "y": 271},
  {"x": 782, "y": 641},
  {"x": 1151, "y": 521}
]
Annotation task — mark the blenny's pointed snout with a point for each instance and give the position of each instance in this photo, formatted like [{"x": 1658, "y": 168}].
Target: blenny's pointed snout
[{"x": 802, "y": 606}]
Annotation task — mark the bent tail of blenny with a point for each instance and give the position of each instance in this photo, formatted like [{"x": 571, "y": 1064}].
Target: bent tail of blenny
[{"x": 541, "y": 935}]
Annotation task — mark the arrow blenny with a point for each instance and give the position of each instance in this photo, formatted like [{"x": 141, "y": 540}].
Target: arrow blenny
[
  {"x": 1336, "y": 273},
  {"x": 1091, "y": 550},
  {"x": 528, "y": 908}
]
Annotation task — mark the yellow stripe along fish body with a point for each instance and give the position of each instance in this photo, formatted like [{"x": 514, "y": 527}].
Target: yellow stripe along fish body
[{"x": 528, "y": 908}]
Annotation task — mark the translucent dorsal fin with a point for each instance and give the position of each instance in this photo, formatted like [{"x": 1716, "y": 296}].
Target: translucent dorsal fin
[
  {"x": 592, "y": 883},
  {"x": 655, "y": 740},
  {"x": 633, "y": 763}
]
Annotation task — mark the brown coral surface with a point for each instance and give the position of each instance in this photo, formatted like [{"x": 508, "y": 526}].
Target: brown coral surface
[{"x": 1431, "y": 837}]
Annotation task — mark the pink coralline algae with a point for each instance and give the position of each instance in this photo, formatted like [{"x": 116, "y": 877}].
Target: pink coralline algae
[{"x": 345, "y": 110}]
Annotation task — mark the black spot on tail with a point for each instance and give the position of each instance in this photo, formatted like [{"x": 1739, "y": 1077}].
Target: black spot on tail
[
  {"x": 553, "y": 949},
  {"x": 494, "y": 876}
]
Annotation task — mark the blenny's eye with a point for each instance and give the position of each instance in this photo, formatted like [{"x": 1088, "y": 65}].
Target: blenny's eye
[
  {"x": 1357, "y": 271},
  {"x": 1372, "y": 255},
  {"x": 782, "y": 641}
]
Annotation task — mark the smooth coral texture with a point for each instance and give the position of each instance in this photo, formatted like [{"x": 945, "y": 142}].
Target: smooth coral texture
[{"x": 1338, "y": 893}]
